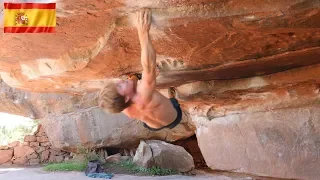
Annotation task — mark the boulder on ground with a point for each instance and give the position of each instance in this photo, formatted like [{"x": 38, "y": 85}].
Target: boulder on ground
[
  {"x": 168, "y": 156},
  {"x": 114, "y": 158},
  {"x": 143, "y": 155}
]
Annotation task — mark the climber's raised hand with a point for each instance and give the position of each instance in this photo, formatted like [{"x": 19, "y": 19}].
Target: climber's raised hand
[{"x": 143, "y": 21}]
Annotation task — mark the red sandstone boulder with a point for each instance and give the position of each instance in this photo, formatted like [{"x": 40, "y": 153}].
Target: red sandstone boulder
[
  {"x": 22, "y": 151},
  {"x": 30, "y": 138},
  {"x": 26, "y": 144},
  {"x": 34, "y": 144},
  {"x": 14, "y": 144},
  {"x": 32, "y": 156},
  {"x": 20, "y": 161},
  {"x": 5, "y": 156}
]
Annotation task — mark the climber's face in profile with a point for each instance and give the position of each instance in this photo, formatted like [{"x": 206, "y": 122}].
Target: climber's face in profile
[{"x": 125, "y": 87}]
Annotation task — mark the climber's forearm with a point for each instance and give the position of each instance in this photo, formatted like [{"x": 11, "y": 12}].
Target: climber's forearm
[{"x": 148, "y": 58}]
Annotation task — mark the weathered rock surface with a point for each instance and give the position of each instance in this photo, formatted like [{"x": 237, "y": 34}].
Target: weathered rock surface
[
  {"x": 282, "y": 143},
  {"x": 71, "y": 121},
  {"x": 195, "y": 40},
  {"x": 5, "y": 156},
  {"x": 26, "y": 144},
  {"x": 4, "y": 147},
  {"x": 22, "y": 151},
  {"x": 94, "y": 128},
  {"x": 144, "y": 156},
  {"x": 30, "y": 138},
  {"x": 33, "y": 162},
  {"x": 164, "y": 155},
  {"x": 34, "y": 144},
  {"x": 14, "y": 144},
  {"x": 20, "y": 161},
  {"x": 32, "y": 156},
  {"x": 261, "y": 60},
  {"x": 56, "y": 159},
  {"x": 45, "y": 156},
  {"x": 113, "y": 158}
]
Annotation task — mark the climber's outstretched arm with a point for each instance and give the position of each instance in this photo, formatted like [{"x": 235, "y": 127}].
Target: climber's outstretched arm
[{"x": 148, "y": 54}]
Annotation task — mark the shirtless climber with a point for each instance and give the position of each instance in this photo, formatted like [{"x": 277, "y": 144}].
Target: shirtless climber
[{"x": 139, "y": 99}]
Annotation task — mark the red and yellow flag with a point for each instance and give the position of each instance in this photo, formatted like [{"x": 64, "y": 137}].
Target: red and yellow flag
[{"x": 29, "y": 17}]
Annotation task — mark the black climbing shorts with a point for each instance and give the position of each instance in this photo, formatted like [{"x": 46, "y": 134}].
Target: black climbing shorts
[{"x": 176, "y": 105}]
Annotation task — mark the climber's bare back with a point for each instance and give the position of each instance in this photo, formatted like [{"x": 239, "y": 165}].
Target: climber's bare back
[{"x": 149, "y": 105}]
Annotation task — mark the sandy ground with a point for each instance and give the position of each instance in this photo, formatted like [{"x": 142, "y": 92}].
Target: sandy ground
[{"x": 39, "y": 174}]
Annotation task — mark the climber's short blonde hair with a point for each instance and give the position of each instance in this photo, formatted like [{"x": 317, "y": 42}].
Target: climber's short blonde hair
[{"x": 110, "y": 100}]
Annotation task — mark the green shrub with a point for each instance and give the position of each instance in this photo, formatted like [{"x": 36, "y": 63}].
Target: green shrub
[
  {"x": 66, "y": 166},
  {"x": 154, "y": 171},
  {"x": 8, "y": 135}
]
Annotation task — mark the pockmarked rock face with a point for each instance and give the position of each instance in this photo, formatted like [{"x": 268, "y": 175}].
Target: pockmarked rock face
[{"x": 194, "y": 40}]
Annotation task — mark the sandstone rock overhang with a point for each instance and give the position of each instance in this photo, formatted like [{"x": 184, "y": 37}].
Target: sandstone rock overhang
[{"x": 195, "y": 40}]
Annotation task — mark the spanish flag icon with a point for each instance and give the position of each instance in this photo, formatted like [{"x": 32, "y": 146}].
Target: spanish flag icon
[{"x": 29, "y": 17}]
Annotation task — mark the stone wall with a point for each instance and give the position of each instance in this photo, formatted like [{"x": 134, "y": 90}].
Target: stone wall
[{"x": 34, "y": 150}]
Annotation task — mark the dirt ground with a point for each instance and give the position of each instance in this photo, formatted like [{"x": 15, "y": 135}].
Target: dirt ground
[{"x": 16, "y": 173}]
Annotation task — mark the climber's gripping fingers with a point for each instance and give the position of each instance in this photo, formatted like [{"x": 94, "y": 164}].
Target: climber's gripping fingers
[{"x": 143, "y": 21}]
